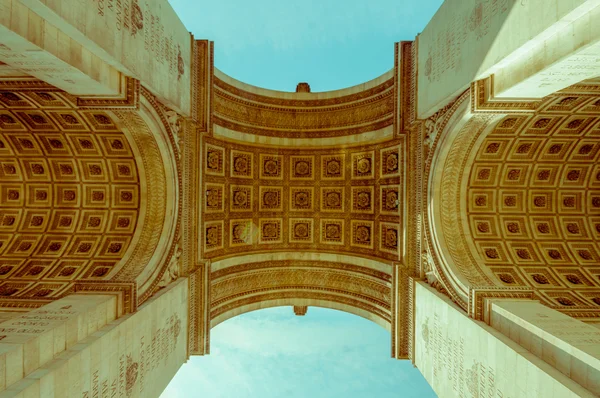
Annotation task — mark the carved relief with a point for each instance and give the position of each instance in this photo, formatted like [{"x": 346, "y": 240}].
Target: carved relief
[
  {"x": 390, "y": 161},
  {"x": 299, "y": 186},
  {"x": 332, "y": 199},
  {"x": 301, "y": 198},
  {"x": 302, "y": 167},
  {"x": 301, "y": 230},
  {"x": 530, "y": 203},
  {"x": 173, "y": 270},
  {"x": 389, "y": 237},
  {"x": 246, "y": 112},
  {"x": 213, "y": 235},
  {"x": 270, "y": 230},
  {"x": 271, "y": 166},
  {"x": 214, "y": 198},
  {"x": 240, "y": 198},
  {"x": 241, "y": 232},
  {"x": 214, "y": 160},
  {"x": 362, "y": 199},
  {"x": 271, "y": 198},
  {"x": 390, "y": 199},
  {"x": 332, "y": 231},
  {"x": 362, "y": 233},
  {"x": 69, "y": 191},
  {"x": 363, "y": 165},
  {"x": 333, "y": 167},
  {"x": 241, "y": 164}
]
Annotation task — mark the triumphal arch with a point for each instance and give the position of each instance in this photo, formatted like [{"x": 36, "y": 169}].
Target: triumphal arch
[{"x": 145, "y": 197}]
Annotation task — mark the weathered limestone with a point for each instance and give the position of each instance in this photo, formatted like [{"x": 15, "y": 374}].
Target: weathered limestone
[
  {"x": 83, "y": 47},
  {"x": 39, "y": 48},
  {"x": 133, "y": 356},
  {"x": 566, "y": 344},
  {"x": 30, "y": 342},
  {"x": 533, "y": 48},
  {"x": 461, "y": 357}
]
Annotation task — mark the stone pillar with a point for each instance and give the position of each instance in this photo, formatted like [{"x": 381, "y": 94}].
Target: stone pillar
[
  {"x": 32, "y": 340},
  {"x": 135, "y": 355},
  {"x": 461, "y": 357},
  {"x": 533, "y": 48},
  {"x": 569, "y": 345},
  {"x": 86, "y": 47}
]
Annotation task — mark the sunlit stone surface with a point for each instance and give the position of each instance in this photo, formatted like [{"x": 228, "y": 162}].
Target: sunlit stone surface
[{"x": 146, "y": 197}]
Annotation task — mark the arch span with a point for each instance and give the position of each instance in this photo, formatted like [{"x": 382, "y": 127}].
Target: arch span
[
  {"x": 76, "y": 211},
  {"x": 362, "y": 113},
  {"x": 514, "y": 199},
  {"x": 351, "y": 284}
]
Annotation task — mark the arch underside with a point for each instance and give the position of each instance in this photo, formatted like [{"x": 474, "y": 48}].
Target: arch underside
[
  {"x": 254, "y": 112},
  {"x": 300, "y": 298},
  {"x": 249, "y": 286},
  {"x": 518, "y": 205},
  {"x": 74, "y": 208}
]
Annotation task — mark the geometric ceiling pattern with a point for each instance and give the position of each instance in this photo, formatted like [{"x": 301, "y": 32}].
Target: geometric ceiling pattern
[
  {"x": 328, "y": 200},
  {"x": 69, "y": 194},
  {"x": 534, "y": 201}
]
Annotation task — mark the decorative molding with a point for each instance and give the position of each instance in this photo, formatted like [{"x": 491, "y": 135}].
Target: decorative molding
[
  {"x": 360, "y": 287},
  {"x": 439, "y": 126},
  {"x": 300, "y": 310},
  {"x": 129, "y": 98},
  {"x": 126, "y": 292},
  {"x": 483, "y": 101},
  {"x": 202, "y": 83},
  {"x": 322, "y": 187},
  {"x": 174, "y": 126},
  {"x": 250, "y": 113},
  {"x": 402, "y": 311},
  {"x": 412, "y": 302},
  {"x": 199, "y": 317},
  {"x": 405, "y": 65},
  {"x": 479, "y": 299},
  {"x": 152, "y": 225}
]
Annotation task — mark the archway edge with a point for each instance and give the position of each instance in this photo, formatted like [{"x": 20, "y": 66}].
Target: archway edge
[
  {"x": 328, "y": 304},
  {"x": 377, "y": 265},
  {"x": 304, "y": 95}
]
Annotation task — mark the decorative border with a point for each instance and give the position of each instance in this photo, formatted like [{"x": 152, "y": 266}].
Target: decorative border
[
  {"x": 198, "y": 311},
  {"x": 129, "y": 98}
]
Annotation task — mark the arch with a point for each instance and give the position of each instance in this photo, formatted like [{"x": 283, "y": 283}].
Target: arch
[
  {"x": 312, "y": 302},
  {"x": 358, "y": 114},
  {"x": 514, "y": 199},
  {"x": 349, "y": 284},
  {"x": 73, "y": 208},
  {"x": 75, "y": 205},
  {"x": 156, "y": 148}
]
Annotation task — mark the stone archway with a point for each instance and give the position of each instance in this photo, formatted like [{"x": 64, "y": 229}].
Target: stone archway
[
  {"x": 76, "y": 210},
  {"x": 347, "y": 283},
  {"x": 513, "y": 200}
]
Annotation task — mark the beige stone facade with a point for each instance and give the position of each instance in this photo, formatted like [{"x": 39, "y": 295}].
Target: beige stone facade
[{"x": 146, "y": 197}]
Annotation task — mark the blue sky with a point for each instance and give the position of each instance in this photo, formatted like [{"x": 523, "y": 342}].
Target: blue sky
[
  {"x": 272, "y": 354},
  {"x": 330, "y": 44}
]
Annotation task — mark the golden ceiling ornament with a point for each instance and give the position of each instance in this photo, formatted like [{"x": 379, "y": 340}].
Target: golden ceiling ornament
[
  {"x": 543, "y": 163},
  {"x": 77, "y": 187},
  {"x": 296, "y": 199}
]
